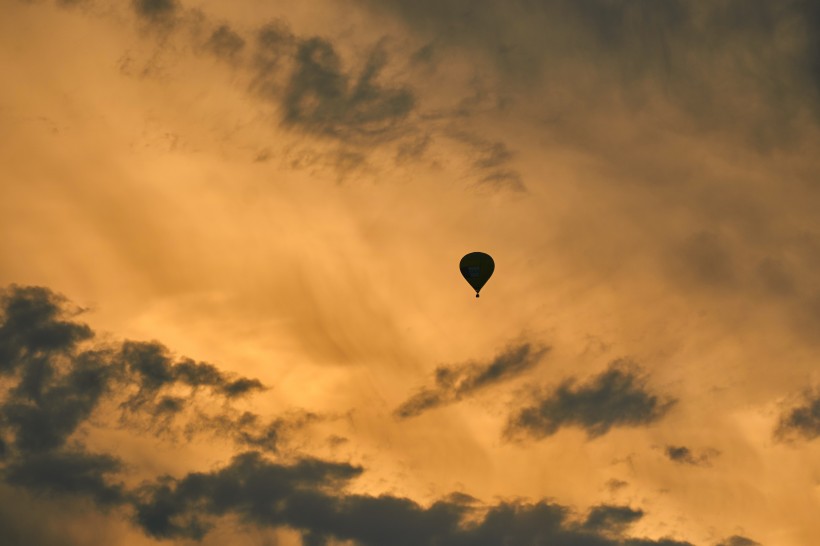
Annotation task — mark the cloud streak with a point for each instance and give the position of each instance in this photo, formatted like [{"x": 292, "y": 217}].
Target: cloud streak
[{"x": 454, "y": 383}]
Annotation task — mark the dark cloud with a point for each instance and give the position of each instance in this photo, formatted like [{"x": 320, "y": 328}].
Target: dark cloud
[
  {"x": 306, "y": 80},
  {"x": 737, "y": 540},
  {"x": 156, "y": 11},
  {"x": 453, "y": 383},
  {"x": 775, "y": 277},
  {"x": 705, "y": 258},
  {"x": 493, "y": 155},
  {"x": 494, "y": 159},
  {"x": 254, "y": 432},
  {"x": 307, "y": 496},
  {"x": 611, "y": 519},
  {"x": 724, "y": 64},
  {"x": 413, "y": 149},
  {"x": 57, "y": 377},
  {"x": 57, "y": 386},
  {"x": 614, "y": 485},
  {"x": 46, "y": 424},
  {"x": 224, "y": 42},
  {"x": 275, "y": 48},
  {"x": 23, "y": 521},
  {"x": 504, "y": 180},
  {"x": 684, "y": 455},
  {"x": 68, "y": 472},
  {"x": 490, "y": 161},
  {"x": 35, "y": 325},
  {"x": 321, "y": 98},
  {"x": 154, "y": 371},
  {"x": 618, "y": 397},
  {"x": 809, "y": 14},
  {"x": 802, "y": 421}
]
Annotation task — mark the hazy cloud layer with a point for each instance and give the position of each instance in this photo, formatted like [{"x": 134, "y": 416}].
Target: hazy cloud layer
[
  {"x": 618, "y": 397},
  {"x": 644, "y": 171},
  {"x": 453, "y": 383}
]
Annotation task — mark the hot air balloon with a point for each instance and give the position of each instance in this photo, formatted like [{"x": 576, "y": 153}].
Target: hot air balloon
[{"x": 477, "y": 268}]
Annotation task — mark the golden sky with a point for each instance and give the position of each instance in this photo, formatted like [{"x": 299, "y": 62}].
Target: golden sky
[{"x": 231, "y": 310}]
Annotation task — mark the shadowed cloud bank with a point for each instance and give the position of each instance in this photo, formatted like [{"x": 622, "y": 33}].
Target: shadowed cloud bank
[
  {"x": 682, "y": 50},
  {"x": 617, "y": 397},
  {"x": 453, "y": 383},
  {"x": 306, "y": 496}
]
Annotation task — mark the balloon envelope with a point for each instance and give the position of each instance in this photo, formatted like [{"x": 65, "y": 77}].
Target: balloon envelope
[{"x": 477, "y": 268}]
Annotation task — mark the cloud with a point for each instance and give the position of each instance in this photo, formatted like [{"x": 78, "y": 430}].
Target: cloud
[
  {"x": 307, "y": 496},
  {"x": 802, "y": 421},
  {"x": 618, "y": 397},
  {"x": 57, "y": 377},
  {"x": 737, "y": 540},
  {"x": 613, "y": 485},
  {"x": 684, "y": 455},
  {"x": 320, "y": 97},
  {"x": 305, "y": 77},
  {"x": 224, "y": 42},
  {"x": 60, "y": 376},
  {"x": 306, "y": 80},
  {"x": 156, "y": 12},
  {"x": 34, "y": 325},
  {"x": 491, "y": 161},
  {"x": 705, "y": 259},
  {"x": 685, "y": 52},
  {"x": 611, "y": 519},
  {"x": 251, "y": 431},
  {"x": 260, "y": 491},
  {"x": 456, "y": 382},
  {"x": 69, "y": 472},
  {"x": 154, "y": 369}
]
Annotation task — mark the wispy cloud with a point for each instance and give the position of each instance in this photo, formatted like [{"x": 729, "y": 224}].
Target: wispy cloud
[{"x": 453, "y": 383}]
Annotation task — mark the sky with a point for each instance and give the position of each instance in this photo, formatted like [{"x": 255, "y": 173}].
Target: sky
[{"x": 230, "y": 304}]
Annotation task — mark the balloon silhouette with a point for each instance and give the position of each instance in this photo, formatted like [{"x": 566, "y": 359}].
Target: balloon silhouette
[{"x": 477, "y": 268}]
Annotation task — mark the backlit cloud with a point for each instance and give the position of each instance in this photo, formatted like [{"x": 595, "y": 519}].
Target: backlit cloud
[{"x": 618, "y": 397}]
